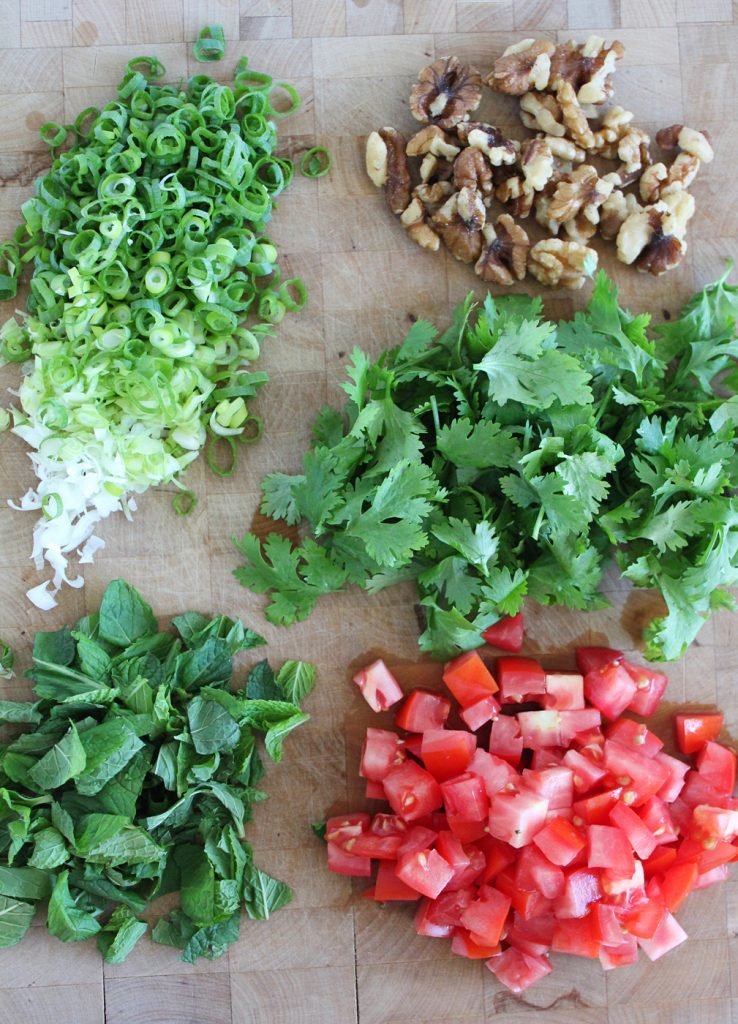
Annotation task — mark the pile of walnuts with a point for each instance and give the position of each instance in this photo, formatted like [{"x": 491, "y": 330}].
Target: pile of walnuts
[{"x": 461, "y": 167}]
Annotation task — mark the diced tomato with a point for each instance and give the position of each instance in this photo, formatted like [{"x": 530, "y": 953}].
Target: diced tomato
[
  {"x": 507, "y": 634},
  {"x": 485, "y": 916},
  {"x": 506, "y": 739},
  {"x": 698, "y": 790},
  {"x": 586, "y": 771},
  {"x": 577, "y": 936},
  {"x": 655, "y": 816},
  {"x": 419, "y": 837},
  {"x": 650, "y": 686},
  {"x": 707, "y": 855},
  {"x": 634, "y": 734},
  {"x": 626, "y": 952},
  {"x": 426, "y": 925},
  {"x": 344, "y": 863},
  {"x": 695, "y": 729},
  {"x": 378, "y": 686},
  {"x": 619, "y": 883},
  {"x": 640, "y": 776},
  {"x": 478, "y": 714},
  {"x": 375, "y": 847},
  {"x": 644, "y": 916},
  {"x": 677, "y": 883},
  {"x": 382, "y": 750},
  {"x": 606, "y": 924},
  {"x": 519, "y": 679},
  {"x": 412, "y": 791},
  {"x": 716, "y": 765},
  {"x": 476, "y": 864},
  {"x": 450, "y": 905},
  {"x": 518, "y": 971},
  {"x": 540, "y": 728},
  {"x": 343, "y": 827},
  {"x": 388, "y": 825},
  {"x": 535, "y": 871},
  {"x": 659, "y": 861},
  {"x": 553, "y": 783},
  {"x": 590, "y": 659},
  {"x": 533, "y": 936},
  {"x": 499, "y": 857},
  {"x": 388, "y": 887},
  {"x": 425, "y": 871},
  {"x": 579, "y": 725},
  {"x": 422, "y": 710},
  {"x": 610, "y": 689},
  {"x": 595, "y": 809},
  {"x": 447, "y": 752},
  {"x": 608, "y": 847},
  {"x": 462, "y": 944},
  {"x": 494, "y": 771},
  {"x": 667, "y": 936},
  {"x": 715, "y": 823},
  {"x": 465, "y": 797},
  {"x": 560, "y": 841},
  {"x": 546, "y": 757},
  {"x": 467, "y": 831},
  {"x": 640, "y": 837},
  {"x": 564, "y": 691},
  {"x": 451, "y": 850},
  {"x": 675, "y": 782},
  {"x": 582, "y": 888},
  {"x": 374, "y": 790},
  {"x": 516, "y": 817},
  {"x": 719, "y": 874},
  {"x": 469, "y": 679}
]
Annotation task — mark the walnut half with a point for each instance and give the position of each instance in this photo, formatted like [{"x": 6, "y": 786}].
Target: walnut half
[
  {"x": 460, "y": 221},
  {"x": 525, "y": 65},
  {"x": 561, "y": 264},
  {"x": 505, "y": 253},
  {"x": 386, "y": 165},
  {"x": 446, "y": 92}
]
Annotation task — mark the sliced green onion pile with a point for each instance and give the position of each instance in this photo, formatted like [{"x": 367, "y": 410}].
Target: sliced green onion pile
[{"x": 148, "y": 245}]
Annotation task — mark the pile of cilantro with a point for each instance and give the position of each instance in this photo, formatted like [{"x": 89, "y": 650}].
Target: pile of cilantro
[
  {"x": 513, "y": 456},
  {"x": 136, "y": 777}
]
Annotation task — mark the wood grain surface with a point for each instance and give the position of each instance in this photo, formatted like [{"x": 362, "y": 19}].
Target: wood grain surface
[{"x": 331, "y": 957}]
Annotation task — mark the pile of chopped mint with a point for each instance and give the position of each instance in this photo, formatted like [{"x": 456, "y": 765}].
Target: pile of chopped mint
[
  {"x": 514, "y": 456},
  {"x": 135, "y": 779}
]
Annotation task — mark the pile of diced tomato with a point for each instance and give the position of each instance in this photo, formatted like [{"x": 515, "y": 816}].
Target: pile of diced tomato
[{"x": 546, "y": 819}]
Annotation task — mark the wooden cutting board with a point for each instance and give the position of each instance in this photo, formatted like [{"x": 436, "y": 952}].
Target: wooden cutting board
[{"x": 331, "y": 957}]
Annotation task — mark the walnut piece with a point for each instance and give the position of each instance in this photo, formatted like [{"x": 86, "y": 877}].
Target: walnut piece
[
  {"x": 415, "y": 221},
  {"x": 472, "y": 170},
  {"x": 505, "y": 253},
  {"x": 559, "y": 263},
  {"x": 523, "y": 66},
  {"x": 434, "y": 195},
  {"x": 485, "y": 137},
  {"x": 658, "y": 180},
  {"x": 587, "y": 68},
  {"x": 446, "y": 92},
  {"x": 613, "y": 126},
  {"x": 581, "y": 191},
  {"x": 386, "y": 165},
  {"x": 564, "y": 149},
  {"x": 435, "y": 168},
  {"x": 615, "y": 211},
  {"x": 575, "y": 122},
  {"x": 689, "y": 140},
  {"x": 515, "y": 194},
  {"x": 432, "y": 140},
  {"x": 459, "y": 222},
  {"x": 541, "y": 112},
  {"x": 653, "y": 238},
  {"x": 537, "y": 162},
  {"x": 634, "y": 153}
]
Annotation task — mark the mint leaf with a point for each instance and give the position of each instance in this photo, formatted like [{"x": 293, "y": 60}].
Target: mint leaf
[
  {"x": 124, "y": 615},
  {"x": 296, "y": 680}
]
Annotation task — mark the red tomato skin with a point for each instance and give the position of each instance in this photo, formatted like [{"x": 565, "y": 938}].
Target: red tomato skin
[
  {"x": 519, "y": 678},
  {"x": 640, "y": 837},
  {"x": 469, "y": 679},
  {"x": 451, "y": 850},
  {"x": 643, "y": 918},
  {"x": 374, "y": 790},
  {"x": 506, "y": 739},
  {"x": 507, "y": 634},
  {"x": 494, "y": 771},
  {"x": 659, "y": 861},
  {"x": 381, "y": 751},
  {"x": 518, "y": 971},
  {"x": 485, "y": 916},
  {"x": 472, "y": 873},
  {"x": 560, "y": 841},
  {"x": 634, "y": 734},
  {"x": 478, "y": 714},
  {"x": 378, "y": 686},
  {"x": 467, "y": 831},
  {"x": 580, "y": 725},
  {"x": 610, "y": 689},
  {"x": 650, "y": 687},
  {"x": 425, "y": 871},
  {"x": 582, "y": 888},
  {"x": 591, "y": 659},
  {"x": 516, "y": 817},
  {"x": 694, "y": 729},
  {"x": 716, "y": 764},
  {"x": 343, "y": 863},
  {"x": 425, "y": 925},
  {"x": 447, "y": 752},
  {"x": 576, "y": 936},
  {"x": 422, "y": 710},
  {"x": 608, "y": 847},
  {"x": 412, "y": 791},
  {"x": 465, "y": 797},
  {"x": 677, "y": 882},
  {"x": 564, "y": 691},
  {"x": 462, "y": 944},
  {"x": 499, "y": 856},
  {"x": 374, "y": 847},
  {"x": 389, "y": 888},
  {"x": 667, "y": 936}
]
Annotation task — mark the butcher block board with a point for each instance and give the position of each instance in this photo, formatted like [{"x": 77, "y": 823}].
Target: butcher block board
[{"x": 331, "y": 957}]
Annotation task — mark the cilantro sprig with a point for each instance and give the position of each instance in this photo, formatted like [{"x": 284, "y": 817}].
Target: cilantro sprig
[{"x": 513, "y": 456}]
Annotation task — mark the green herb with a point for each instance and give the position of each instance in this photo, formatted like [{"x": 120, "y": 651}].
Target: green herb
[
  {"x": 315, "y": 162},
  {"x": 514, "y": 456},
  {"x": 137, "y": 779},
  {"x": 7, "y": 659}
]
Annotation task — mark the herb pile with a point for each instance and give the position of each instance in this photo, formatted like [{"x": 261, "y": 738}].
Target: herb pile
[
  {"x": 148, "y": 247},
  {"x": 137, "y": 777},
  {"x": 513, "y": 456}
]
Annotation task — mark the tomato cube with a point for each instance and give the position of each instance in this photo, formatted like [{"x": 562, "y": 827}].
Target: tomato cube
[
  {"x": 675, "y": 781},
  {"x": 610, "y": 689},
  {"x": 626, "y": 952},
  {"x": 494, "y": 771},
  {"x": 387, "y": 825},
  {"x": 425, "y": 871},
  {"x": 535, "y": 871},
  {"x": 375, "y": 847},
  {"x": 447, "y": 752},
  {"x": 715, "y": 823},
  {"x": 582, "y": 888},
  {"x": 462, "y": 944},
  {"x": 467, "y": 831},
  {"x": 655, "y": 816},
  {"x": 477, "y": 863},
  {"x": 422, "y": 710},
  {"x": 478, "y": 714},
  {"x": 606, "y": 924},
  {"x": 382, "y": 750},
  {"x": 533, "y": 936},
  {"x": 640, "y": 776},
  {"x": 677, "y": 883},
  {"x": 344, "y": 863},
  {"x": 586, "y": 770},
  {"x": 693, "y": 730},
  {"x": 519, "y": 678},
  {"x": 469, "y": 679},
  {"x": 716, "y": 765},
  {"x": 378, "y": 686},
  {"x": 412, "y": 791},
  {"x": 667, "y": 936},
  {"x": 465, "y": 797},
  {"x": 450, "y": 905},
  {"x": 342, "y": 827},
  {"x": 560, "y": 841},
  {"x": 485, "y": 916},
  {"x": 650, "y": 686},
  {"x": 554, "y": 783},
  {"x": 540, "y": 728},
  {"x": 616, "y": 882},
  {"x": 507, "y": 634},
  {"x": 608, "y": 847},
  {"x": 426, "y": 925},
  {"x": 636, "y": 735},
  {"x": 595, "y": 810},
  {"x": 419, "y": 837},
  {"x": 640, "y": 837},
  {"x": 643, "y": 916},
  {"x": 719, "y": 874},
  {"x": 389, "y": 888},
  {"x": 564, "y": 691},
  {"x": 506, "y": 739},
  {"x": 515, "y": 817},
  {"x": 518, "y": 971},
  {"x": 499, "y": 857},
  {"x": 578, "y": 725},
  {"x": 591, "y": 659},
  {"x": 577, "y": 936},
  {"x": 451, "y": 849}
]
